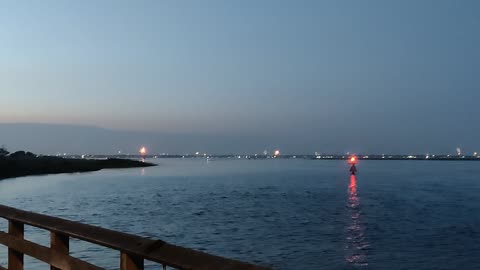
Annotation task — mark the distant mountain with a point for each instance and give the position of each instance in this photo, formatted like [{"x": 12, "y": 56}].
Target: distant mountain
[{"x": 73, "y": 139}]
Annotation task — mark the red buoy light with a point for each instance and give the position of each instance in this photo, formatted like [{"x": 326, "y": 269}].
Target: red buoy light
[{"x": 353, "y": 159}]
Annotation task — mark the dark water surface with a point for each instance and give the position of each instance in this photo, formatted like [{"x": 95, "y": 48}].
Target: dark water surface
[{"x": 288, "y": 214}]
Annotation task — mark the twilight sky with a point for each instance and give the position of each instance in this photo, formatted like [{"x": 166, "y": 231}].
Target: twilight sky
[{"x": 378, "y": 76}]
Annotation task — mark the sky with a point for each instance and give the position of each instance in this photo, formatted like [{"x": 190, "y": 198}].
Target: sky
[{"x": 303, "y": 76}]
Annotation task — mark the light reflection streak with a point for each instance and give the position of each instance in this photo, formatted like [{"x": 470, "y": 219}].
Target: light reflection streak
[{"x": 356, "y": 249}]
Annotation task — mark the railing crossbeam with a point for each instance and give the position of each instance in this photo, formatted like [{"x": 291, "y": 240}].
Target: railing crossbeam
[{"x": 44, "y": 254}]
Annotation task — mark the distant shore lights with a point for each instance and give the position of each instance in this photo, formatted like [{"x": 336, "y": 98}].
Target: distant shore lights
[
  {"x": 353, "y": 160},
  {"x": 276, "y": 153},
  {"x": 143, "y": 151}
]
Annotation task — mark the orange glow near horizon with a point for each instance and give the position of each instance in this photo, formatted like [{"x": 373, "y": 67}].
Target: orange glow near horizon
[{"x": 353, "y": 159}]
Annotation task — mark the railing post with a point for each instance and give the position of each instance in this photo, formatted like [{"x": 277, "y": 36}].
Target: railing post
[
  {"x": 130, "y": 262},
  {"x": 60, "y": 243},
  {"x": 15, "y": 258}
]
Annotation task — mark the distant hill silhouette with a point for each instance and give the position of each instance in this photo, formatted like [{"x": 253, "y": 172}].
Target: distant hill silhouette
[{"x": 52, "y": 139}]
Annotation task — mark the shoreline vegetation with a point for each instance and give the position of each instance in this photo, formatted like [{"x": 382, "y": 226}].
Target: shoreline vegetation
[{"x": 22, "y": 163}]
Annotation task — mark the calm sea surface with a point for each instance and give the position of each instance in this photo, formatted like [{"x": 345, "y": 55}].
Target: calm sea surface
[{"x": 288, "y": 214}]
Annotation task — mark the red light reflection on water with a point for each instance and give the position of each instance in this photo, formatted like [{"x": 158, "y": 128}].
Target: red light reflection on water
[
  {"x": 353, "y": 187},
  {"x": 356, "y": 248}
]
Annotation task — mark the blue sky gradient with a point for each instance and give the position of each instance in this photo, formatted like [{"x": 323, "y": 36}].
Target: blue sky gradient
[{"x": 335, "y": 75}]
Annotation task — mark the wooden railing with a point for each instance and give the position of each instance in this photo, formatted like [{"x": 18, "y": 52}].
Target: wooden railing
[{"x": 133, "y": 249}]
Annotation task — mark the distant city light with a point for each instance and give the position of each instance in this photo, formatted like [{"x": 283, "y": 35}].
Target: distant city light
[
  {"x": 276, "y": 153},
  {"x": 143, "y": 151},
  {"x": 474, "y": 154},
  {"x": 197, "y": 153}
]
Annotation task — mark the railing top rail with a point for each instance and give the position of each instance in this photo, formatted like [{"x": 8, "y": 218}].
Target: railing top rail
[{"x": 153, "y": 250}]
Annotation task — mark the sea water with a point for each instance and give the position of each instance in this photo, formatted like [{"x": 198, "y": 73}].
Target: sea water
[{"x": 286, "y": 214}]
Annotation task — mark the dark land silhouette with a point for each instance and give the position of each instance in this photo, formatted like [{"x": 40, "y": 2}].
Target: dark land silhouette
[{"x": 23, "y": 163}]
